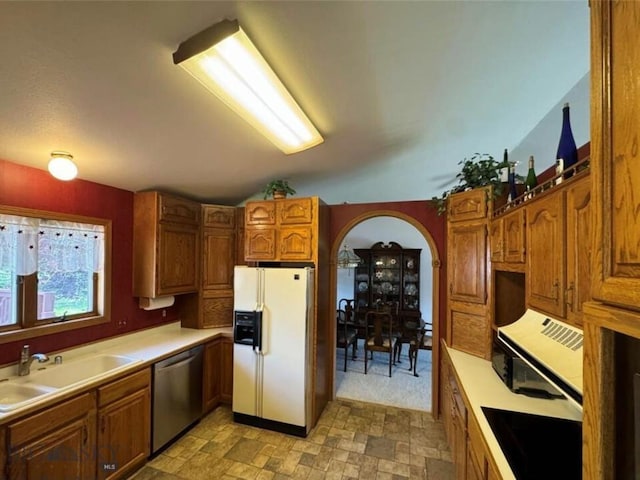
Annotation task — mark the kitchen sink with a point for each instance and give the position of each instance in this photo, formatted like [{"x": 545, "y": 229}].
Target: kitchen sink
[
  {"x": 14, "y": 395},
  {"x": 80, "y": 370}
]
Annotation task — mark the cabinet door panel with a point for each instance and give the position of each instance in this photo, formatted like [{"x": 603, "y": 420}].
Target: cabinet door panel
[
  {"x": 217, "y": 310},
  {"x": 179, "y": 210},
  {"x": 295, "y": 211},
  {"x": 124, "y": 434},
  {"x": 65, "y": 453},
  {"x": 260, "y": 213},
  {"x": 514, "y": 236},
  {"x": 178, "y": 252},
  {"x": 260, "y": 244},
  {"x": 211, "y": 384},
  {"x": 546, "y": 255},
  {"x": 614, "y": 149},
  {"x": 470, "y": 333},
  {"x": 227, "y": 370},
  {"x": 219, "y": 257},
  {"x": 496, "y": 240},
  {"x": 467, "y": 263},
  {"x": 578, "y": 249},
  {"x": 469, "y": 205},
  {"x": 217, "y": 216},
  {"x": 295, "y": 243}
]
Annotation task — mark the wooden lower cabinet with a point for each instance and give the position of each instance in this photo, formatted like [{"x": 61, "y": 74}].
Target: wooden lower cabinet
[
  {"x": 56, "y": 443},
  {"x": 212, "y": 374},
  {"x": 217, "y": 373},
  {"x": 474, "y": 471},
  {"x": 124, "y": 425},
  {"x": 227, "y": 371}
]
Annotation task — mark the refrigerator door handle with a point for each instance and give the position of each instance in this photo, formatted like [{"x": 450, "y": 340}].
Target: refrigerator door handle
[{"x": 257, "y": 331}]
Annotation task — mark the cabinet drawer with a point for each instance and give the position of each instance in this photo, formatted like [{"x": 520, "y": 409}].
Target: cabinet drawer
[
  {"x": 120, "y": 388},
  {"x": 49, "y": 419},
  {"x": 218, "y": 216},
  {"x": 468, "y": 205},
  {"x": 181, "y": 210}
]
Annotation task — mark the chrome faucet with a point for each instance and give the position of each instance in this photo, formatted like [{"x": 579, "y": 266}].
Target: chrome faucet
[{"x": 24, "y": 367}]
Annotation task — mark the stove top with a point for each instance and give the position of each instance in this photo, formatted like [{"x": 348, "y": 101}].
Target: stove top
[{"x": 537, "y": 446}]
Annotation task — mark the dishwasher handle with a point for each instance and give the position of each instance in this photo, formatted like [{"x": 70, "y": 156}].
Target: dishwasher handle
[
  {"x": 175, "y": 365},
  {"x": 178, "y": 360}
]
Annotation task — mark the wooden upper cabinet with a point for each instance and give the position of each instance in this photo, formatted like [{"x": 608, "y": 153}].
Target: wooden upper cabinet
[
  {"x": 545, "y": 276},
  {"x": 514, "y": 236},
  {"x": 281, "y": 230},
  {"x": 469, "y": 205},
  {"x": 467, "y": 259},
  {"x": 615, "y": 154},
  {"x": 166, "y": 245}
]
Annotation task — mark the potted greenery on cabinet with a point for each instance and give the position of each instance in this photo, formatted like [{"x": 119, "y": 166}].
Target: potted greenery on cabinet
[
  {"x": 480, "y": 170},
  {"x": 278, "y": 189}
]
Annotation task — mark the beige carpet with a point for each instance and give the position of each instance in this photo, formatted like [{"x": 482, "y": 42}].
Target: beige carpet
[{"x": 401, "y": 390}]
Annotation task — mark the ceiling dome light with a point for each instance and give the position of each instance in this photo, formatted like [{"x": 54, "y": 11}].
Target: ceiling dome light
[{"x": 62, "y": 167}]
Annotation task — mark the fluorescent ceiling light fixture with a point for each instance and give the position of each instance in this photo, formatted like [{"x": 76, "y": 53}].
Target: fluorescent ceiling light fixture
[
  {"x": 61, "y": 166},
  {"x": 225, "y": 61}
]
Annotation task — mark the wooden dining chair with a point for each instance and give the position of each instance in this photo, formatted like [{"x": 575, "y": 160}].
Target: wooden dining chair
[
  {"x": 379, "y": 336},
  {"x": 346, "y": 335}
]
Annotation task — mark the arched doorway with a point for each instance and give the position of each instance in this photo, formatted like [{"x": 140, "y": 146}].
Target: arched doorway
[{"x": 435, "y": 274}]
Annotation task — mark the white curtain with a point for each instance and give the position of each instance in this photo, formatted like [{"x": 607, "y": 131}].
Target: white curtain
[{"x": 74, "y": 246}]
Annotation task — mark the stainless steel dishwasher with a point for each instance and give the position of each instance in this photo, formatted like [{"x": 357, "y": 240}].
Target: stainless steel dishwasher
[{"x": 177, "y": 395}]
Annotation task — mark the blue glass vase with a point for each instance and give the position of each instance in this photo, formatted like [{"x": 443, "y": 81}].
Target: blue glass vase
[{"x": 567, "y": 151}]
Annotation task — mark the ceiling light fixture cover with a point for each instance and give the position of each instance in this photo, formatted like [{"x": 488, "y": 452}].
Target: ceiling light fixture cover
[
  {"x": 225, "y": 61},
  {"x": 347, "y": 258},
  {"x": 61, "y": 166}
]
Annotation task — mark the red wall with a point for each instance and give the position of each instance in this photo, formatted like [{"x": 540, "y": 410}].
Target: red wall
[
  {"x": 27, "y": 187},
  {"x": 423, "y": 211}
]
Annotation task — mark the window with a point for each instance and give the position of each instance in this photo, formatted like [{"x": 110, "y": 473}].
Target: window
[{"x": 52, "y": 272}]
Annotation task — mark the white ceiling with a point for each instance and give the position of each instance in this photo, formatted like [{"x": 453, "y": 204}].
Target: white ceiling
[{"x": 385, "y": 82}]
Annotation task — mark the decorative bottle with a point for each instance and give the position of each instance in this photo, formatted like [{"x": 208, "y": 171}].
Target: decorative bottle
[
  {"x": 512, "y": 183},
  {"x": 567, "y": 152},
  {"x": 531, "y": 181}
]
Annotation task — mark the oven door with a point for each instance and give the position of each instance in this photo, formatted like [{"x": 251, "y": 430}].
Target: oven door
[{"x": 502, "y": 362}]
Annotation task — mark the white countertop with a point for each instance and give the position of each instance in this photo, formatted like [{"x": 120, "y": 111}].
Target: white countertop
[
  {"x": 484, "y": 388},
  {"x": 145, "y": 346}
]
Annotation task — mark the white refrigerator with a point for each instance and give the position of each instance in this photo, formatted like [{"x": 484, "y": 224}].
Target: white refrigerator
[{"x": 273, "y": 341}]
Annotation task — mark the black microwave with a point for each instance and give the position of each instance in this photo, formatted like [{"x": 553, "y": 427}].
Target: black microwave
[{"x": 518, "y": 375}]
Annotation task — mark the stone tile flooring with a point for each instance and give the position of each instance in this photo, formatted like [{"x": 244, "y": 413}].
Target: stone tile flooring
[{"x": 352, "y": 440}]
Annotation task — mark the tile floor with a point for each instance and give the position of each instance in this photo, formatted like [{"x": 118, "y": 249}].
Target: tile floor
[{"x": 352, "y": 440}]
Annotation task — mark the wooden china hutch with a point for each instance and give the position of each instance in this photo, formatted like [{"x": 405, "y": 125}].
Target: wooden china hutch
[{"x": 389, "y": 275}]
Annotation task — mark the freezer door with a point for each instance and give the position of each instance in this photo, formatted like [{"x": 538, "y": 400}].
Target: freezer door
[
  {"x": 284, "y": 345},
  {"x": 245, "y": 371},
  {"x": 246, "y": 288}
]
